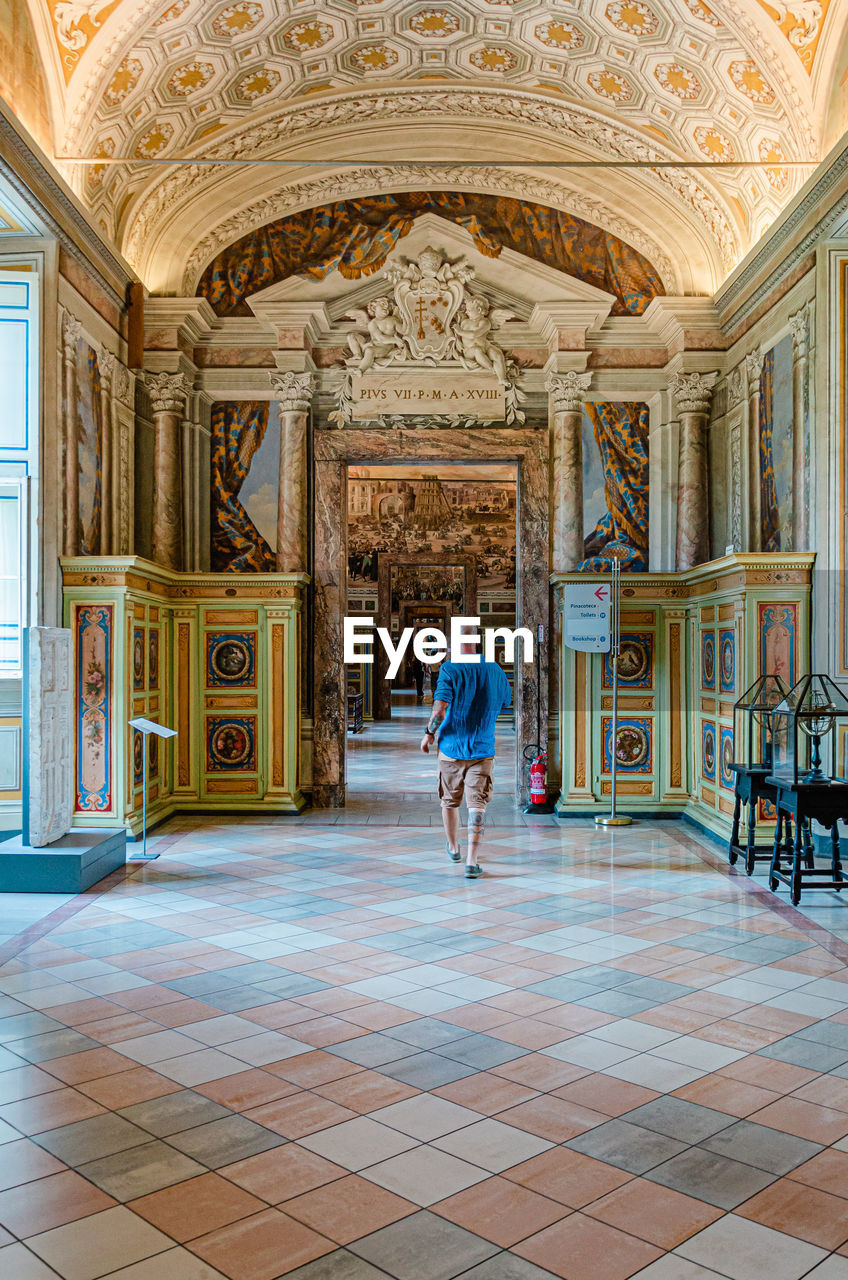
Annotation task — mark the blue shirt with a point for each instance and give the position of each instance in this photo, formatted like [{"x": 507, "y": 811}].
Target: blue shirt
[{"x": 476, "y": 693}]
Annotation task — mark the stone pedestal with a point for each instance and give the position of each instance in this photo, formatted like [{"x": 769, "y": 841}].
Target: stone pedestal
[
  {"x": 567, "y": 392},
  {"x": 72, "y": 864},
  {"x": 48, "y": 783},
  {"x": 294, "y": 392},
  {"x": 167, "y": 394},
  {"x": 693, "y": 392}
]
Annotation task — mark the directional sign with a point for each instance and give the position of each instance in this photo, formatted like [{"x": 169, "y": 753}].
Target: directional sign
[{"x": 586, "y": 616}]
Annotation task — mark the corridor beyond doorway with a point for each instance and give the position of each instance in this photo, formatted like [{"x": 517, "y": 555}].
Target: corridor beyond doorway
[{"x": 386, "y": 770}]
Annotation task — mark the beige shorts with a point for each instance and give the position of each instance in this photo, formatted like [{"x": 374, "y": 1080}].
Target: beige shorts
[{"x": 471, "y": 777}]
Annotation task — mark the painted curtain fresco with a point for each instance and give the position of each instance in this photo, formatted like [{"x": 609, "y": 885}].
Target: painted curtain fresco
[
  {"x": 355, "y": 237},
  {"x": 407, "y": 512},
  {"x": 615, "y": 468},
  {"x": 776, "y": 434},
  {"x": 245, "y": 476},
  {"x": 90, "y": 448}
]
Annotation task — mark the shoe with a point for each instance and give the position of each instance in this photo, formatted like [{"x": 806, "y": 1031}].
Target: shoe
[
  {"x": 473, "y": 870},
  {"x": 454, "y": 857}
]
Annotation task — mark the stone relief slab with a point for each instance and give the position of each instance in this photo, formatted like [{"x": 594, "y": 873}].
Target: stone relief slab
[{"x": 48, "y": 708}]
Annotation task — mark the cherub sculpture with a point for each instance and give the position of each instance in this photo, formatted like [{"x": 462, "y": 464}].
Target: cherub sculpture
[
  {"x": 474, "y": 335},
  {"x": 383, "y": 337}
]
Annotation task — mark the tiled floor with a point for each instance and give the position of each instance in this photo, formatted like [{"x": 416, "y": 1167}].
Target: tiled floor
[{"x": 307, "y": 1050}]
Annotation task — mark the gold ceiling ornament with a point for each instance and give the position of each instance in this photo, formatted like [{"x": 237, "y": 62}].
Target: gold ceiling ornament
[
  {"x": 434, "y": 23},
  {"x": 155, "y": 140},
  {"x": 374, "y": 57},
  {"x": 171, "y": 14},
  {"x": 494, "y": 58},
  {"x": 748, "y": 78},
  {"x": 307, "y": 36},
  {"x": 257, "y": 83},
  {"x": 633, "y": 16},
  {"x": 123, "y": 81},
  {"x": 559, "y": 34},
  {"x": 238, "y": 18},
  {"x": 611, "y": 84},
  {"x": 190, "y": 77},
  {"x": 678, "y": 80},
  {"x": 713, "y": 143}
]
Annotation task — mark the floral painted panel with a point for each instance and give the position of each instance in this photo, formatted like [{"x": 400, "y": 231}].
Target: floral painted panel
[{"x": 94, "y": 632}]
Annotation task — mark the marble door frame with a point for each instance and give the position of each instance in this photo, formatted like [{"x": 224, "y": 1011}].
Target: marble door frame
[{"x": 334, "y": 451}]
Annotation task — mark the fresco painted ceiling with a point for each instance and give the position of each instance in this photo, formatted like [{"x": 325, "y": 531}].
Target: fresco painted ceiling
[{"x": 152, "y": 81}]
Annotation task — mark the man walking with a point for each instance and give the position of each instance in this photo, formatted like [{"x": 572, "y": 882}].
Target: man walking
[{"x": 468, "y": 699}]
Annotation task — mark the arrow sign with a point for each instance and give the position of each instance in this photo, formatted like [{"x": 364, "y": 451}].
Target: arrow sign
[{"x": 586, "y": 617}]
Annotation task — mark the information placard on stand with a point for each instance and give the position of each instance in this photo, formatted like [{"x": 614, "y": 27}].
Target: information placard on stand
[{"x": 146, "y": 727}]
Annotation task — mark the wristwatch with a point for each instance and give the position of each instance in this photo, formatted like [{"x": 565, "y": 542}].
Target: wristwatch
[{"x": 428, "y": 733}]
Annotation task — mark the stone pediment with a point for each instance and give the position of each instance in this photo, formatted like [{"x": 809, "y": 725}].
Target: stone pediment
[{"x": 537, "y": 295}]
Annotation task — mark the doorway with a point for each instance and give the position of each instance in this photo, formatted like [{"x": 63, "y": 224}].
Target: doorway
[
  {"x": 337, "y": 452},
  {"x": 440, "y": 541}
]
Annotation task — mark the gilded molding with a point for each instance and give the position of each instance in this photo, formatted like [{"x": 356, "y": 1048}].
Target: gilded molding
[{"x": 519, "y": 108}]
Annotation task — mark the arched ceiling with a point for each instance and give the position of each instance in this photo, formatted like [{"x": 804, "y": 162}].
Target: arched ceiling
[{"x": 403, "y": 82}]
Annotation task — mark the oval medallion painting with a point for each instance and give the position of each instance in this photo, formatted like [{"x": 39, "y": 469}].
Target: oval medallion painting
[
  {"x": 631, "y": 746},
  {"x": 230, "y": 659},
  {"x": 138, "y": 659},
  {"x": 632, "y": 660},
  {"x": 230, "y": 745},
  {"x": 708, "y": 662}
]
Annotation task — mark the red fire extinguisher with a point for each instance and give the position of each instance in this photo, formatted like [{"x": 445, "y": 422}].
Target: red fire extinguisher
[{"x": 539, "y": 778}]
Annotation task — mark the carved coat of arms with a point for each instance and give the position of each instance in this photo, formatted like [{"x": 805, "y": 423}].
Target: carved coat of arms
[{"x": 430, "y": 318}]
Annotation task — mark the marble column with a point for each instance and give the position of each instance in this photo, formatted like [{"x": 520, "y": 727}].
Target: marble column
[
  {"x": 167, "y": 396},
  {"x": 329, "y": 732},
  {"x": 692, "y": 393},
  {"x": 294, "y": 393},
  {"x": 567, "y": 392},
  {"x": 71, "y": 331},
  {"x": 800, "y": 327},
  {"x": 753, "y": 368},
  {"x": 106, "y": 362}
]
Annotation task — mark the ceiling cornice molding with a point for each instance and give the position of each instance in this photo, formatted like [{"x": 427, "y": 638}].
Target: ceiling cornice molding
[
  {"x": 522, "y": 109},
  {"x": 54, "y": 205},
  {"x": 353, "y": 183},
  {"x": 736, "y": 299}
]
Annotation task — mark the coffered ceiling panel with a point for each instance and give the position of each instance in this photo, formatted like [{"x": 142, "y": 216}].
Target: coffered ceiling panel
[{"x": 149, "y": 83}]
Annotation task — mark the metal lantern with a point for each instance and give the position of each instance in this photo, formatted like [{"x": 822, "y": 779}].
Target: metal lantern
[
  {"x": 752, "y": 732},
  {"x": 799, "y": 724}
]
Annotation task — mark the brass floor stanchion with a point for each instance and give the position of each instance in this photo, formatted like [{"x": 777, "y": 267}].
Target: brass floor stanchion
[{"x": 612, "y": 819}]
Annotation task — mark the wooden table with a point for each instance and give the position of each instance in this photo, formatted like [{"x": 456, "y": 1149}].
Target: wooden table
[
  {"x": 750, "y": 788},
  {"x": 805, "y": 802}
]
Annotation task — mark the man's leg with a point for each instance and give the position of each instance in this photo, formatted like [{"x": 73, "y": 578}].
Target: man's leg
[
  {"x": 476, "y": 821},
  {"x": 450, "y": 818}
]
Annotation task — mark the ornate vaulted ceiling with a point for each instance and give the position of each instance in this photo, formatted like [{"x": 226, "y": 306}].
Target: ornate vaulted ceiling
[{"x": 388, "y": 85}]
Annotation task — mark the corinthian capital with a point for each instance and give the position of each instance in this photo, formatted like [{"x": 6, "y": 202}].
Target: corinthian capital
[
  {"x": 167, "y": 391},
  {"x": 293, "y": 390},
  {"x": 568, "y": 390},
  {"x": 799, "y": 325},
  {"x": 106, "y": 363},
  {"x": 692, "y": 391},
  {"x": 71, "y": 333},
  {"x": 753, "y": 368}
]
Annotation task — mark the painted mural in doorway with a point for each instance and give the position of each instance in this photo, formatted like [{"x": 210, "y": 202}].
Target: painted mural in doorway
[
  {"x": 245, "y": 485},
  {"x": 450, "y": 509},
  {"x": 615, "y": 486}
]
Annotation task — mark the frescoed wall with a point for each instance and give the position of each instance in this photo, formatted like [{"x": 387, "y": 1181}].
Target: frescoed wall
[
  {"x": 615, "y": 486},
  {"x": 445, "y": 510},
  {"x": 776, "y": 437},
  {"x": 90, "y": 451},
  {"x": 245, "y": 485}
]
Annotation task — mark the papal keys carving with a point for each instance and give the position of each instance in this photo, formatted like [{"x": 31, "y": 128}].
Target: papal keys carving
[{"x": 429, "y": 318}]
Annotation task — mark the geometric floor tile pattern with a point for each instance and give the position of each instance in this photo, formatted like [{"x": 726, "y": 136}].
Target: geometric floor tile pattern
[{"x": 315, "y": 1050}]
